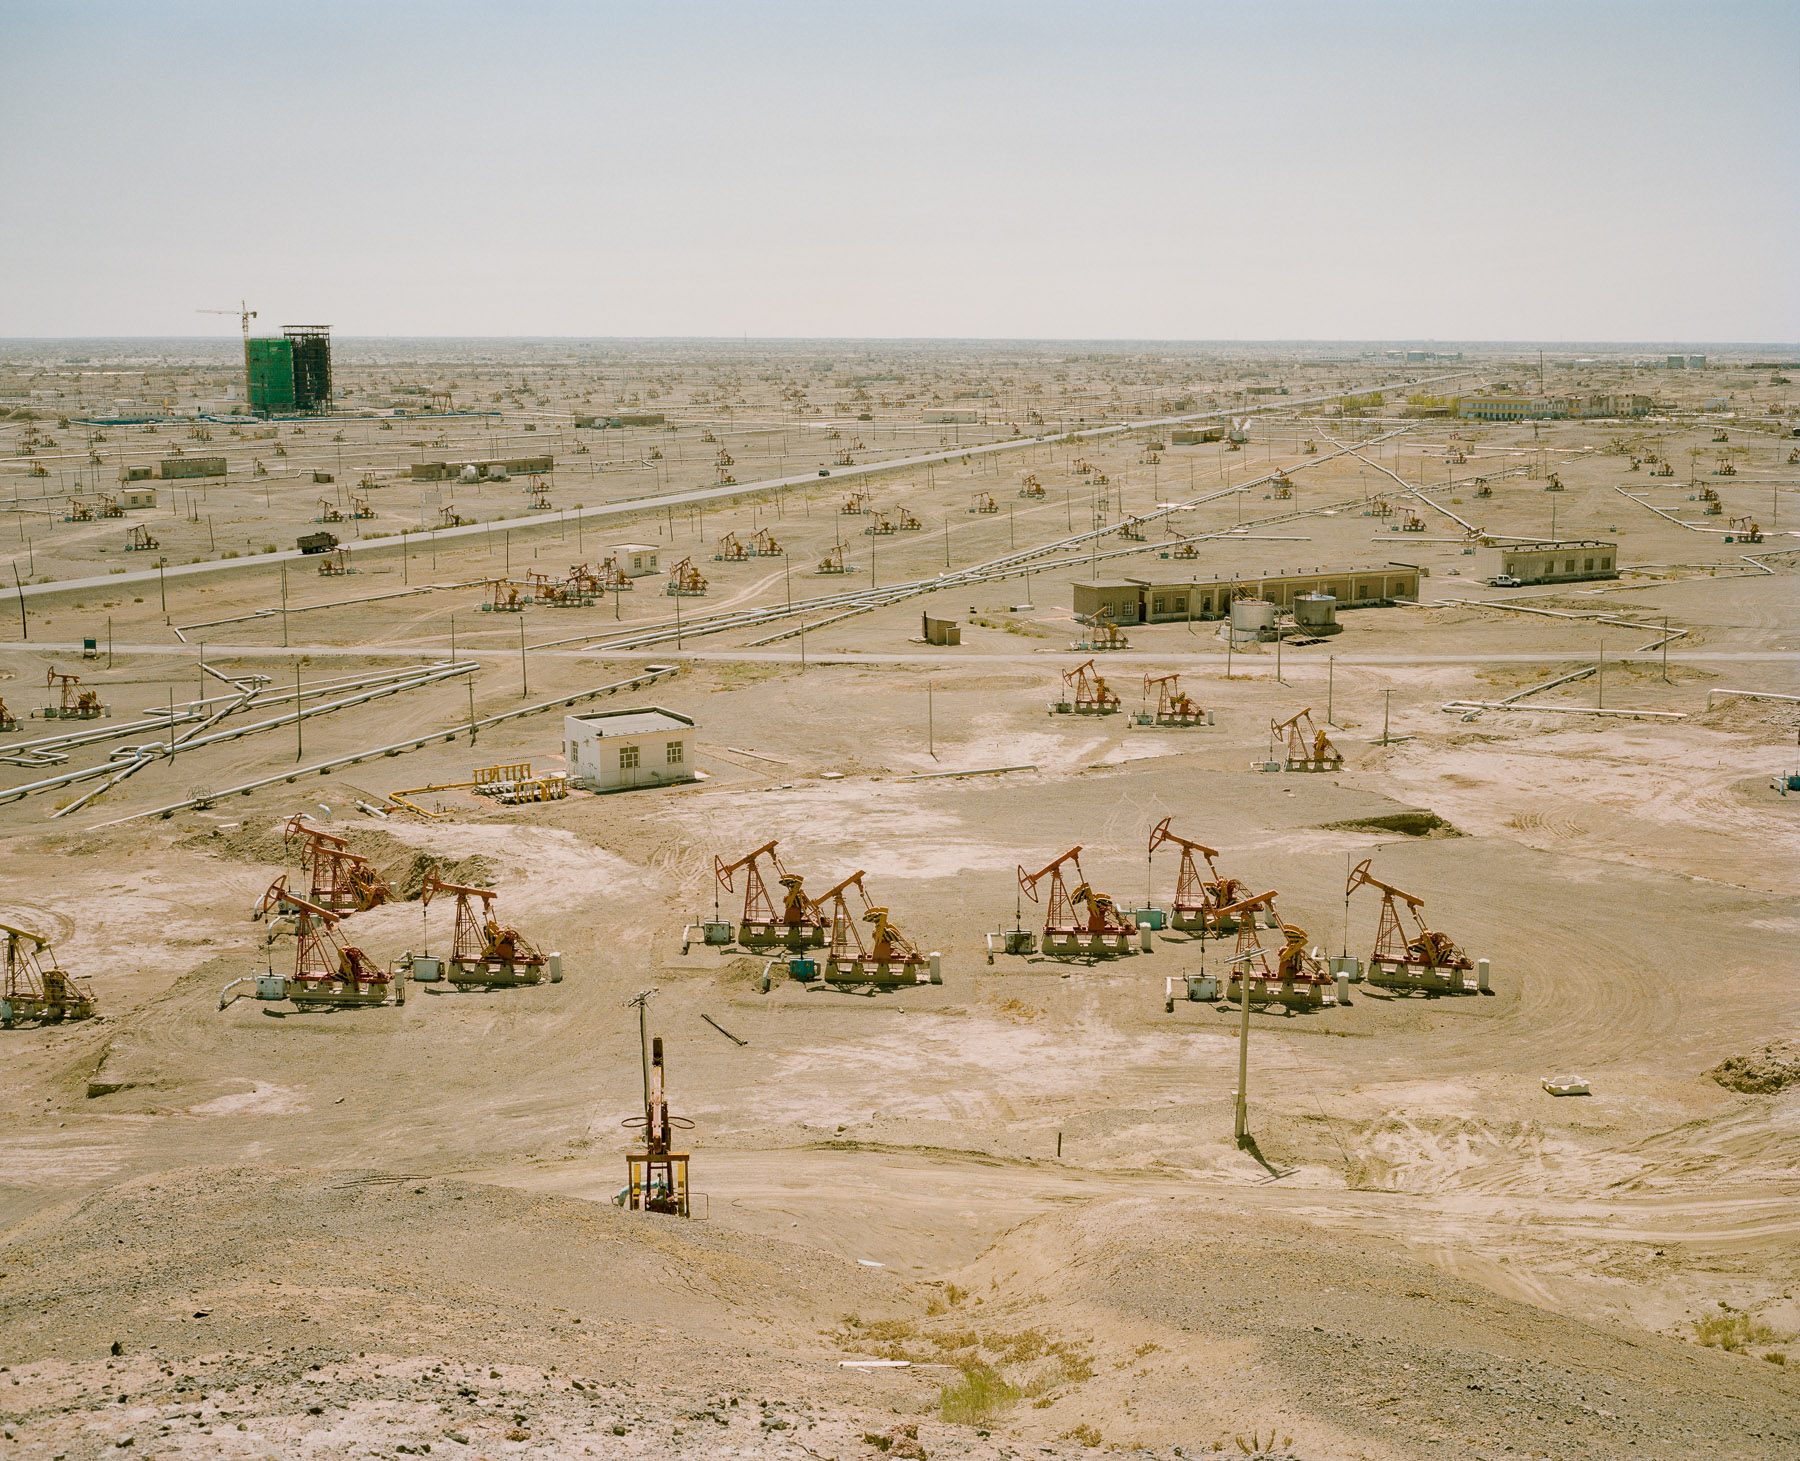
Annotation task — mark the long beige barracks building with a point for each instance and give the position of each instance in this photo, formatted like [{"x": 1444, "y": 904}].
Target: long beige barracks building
[{"x": 1142, "y": 601}]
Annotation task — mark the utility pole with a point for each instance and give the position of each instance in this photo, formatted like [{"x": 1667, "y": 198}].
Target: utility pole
[
  {"x": 524, "y": 683},
  {"x": 24, "y": 629},
  {"x": 930, "y": 724},
  {"x": 1600, "y": 677},
  {"x": 1330, "y": 677},
  {"x": 298, "y": 739},
  {"x": 1387, "y": 700},
  {"x": 1241, "y": 1121},
  {"x": 641, "y": 1001}
]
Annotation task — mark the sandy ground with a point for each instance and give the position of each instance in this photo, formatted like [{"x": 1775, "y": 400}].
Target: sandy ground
[{"x": 1025, "y": 1173}]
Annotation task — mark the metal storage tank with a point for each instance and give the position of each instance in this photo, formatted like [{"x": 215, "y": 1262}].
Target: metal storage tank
[
  {"x": 1315, "y": 611},
  {"x": 1252, "y": 616}
]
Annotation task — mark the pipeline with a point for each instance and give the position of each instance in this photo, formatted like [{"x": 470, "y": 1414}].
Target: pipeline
[{"x": 651, "y": 675}]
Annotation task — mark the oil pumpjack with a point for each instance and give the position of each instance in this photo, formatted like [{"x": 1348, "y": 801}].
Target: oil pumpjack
[{"x": 656, "y": 1178}]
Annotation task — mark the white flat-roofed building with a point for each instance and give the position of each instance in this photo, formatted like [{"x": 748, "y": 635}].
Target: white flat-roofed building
[
  {"x": 636, "y": 559},
  {"x": 615, "y": 750}
]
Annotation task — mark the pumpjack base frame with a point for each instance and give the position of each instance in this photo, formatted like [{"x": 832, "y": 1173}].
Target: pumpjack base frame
[
  {"x": 1194, "y": 920},
  {"x": 1080, "y": 944},
  {"x": 783, "y": 935},
  {"x": 494, "y": 976},
  {"x": 1327, "y": 765},
  {"x": 657, "y": 1182},
  {"x": 1421, "y": 978},
  {"x": 1306, "y": 994},
  {"x": 340, "y": 994},
  {"x": 882, "y": 972},
  {"x": 15, "y": 1010}
]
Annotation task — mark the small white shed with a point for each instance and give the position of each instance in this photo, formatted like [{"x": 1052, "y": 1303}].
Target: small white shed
[
  {"x": 613, "y": 750},
  {"x": 637, "y": 559}
]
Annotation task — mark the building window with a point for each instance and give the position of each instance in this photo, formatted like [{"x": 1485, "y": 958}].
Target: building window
[
  {"x": 1156, "y": 604},
  {"x": 1568, "y": 565},
  {"x": 1181, "y": 603},
  {"x": 637, "y": 560},
  {"x": 674, "y": 753},
  {"x": 1605, "y": 564},
  {"x": 1587, "y": 565},
  {"x": 628, "y": 758},
  {"x": 571, "y": 753}
]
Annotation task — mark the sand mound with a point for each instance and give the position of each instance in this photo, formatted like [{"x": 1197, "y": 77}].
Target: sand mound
[
  {"x": 406, "y": 874},
  {"x": 1771, "y": 1069},
  {"x": 1239, "y": 1317},
  {"x": 403, "y": 866},
  {"x": 1412, "y": 822}
]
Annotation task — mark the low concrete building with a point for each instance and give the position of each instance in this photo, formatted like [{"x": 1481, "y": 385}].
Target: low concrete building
[
  {"x": 1590, "y": 406},
  {"x": 1195, "y": 435},
  {"x": 616, "y": 750},
  {"x": 1560, "y": 561},
  {"x": 137, "y": 497},
  {"x": 636, "y": 559},
  {"x": 1143, "y": 601},
  {"x": 484, "y": 467},
  {"x": 171, "y": 468},
  {"x": 950, "y": 416},
  {"x": 940, "y": 631}
]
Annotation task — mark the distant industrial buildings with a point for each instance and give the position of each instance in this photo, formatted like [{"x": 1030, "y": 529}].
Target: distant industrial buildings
[
  {"x": 1554, "y": 561},
  {"x": 483, "y": 467},
  {"x": 1506, "y": 406},
  {"x": 292, "y": 373},
  {"x": 1142, "y": 601}
]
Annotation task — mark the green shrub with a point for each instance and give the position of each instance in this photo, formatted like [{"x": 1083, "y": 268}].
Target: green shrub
[{"x": 976, "y": 1395}]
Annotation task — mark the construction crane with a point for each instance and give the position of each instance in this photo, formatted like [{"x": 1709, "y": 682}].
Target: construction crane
[
  {"x": 485, "y": 951},
  {"x": 1422, "y": 959},
  {"x": 36, "y": 986},
  {"x": 244, "y": 313},
  {"x": 799, "y": 923},
  {"x": 1319, "y": 755},
  {"x": 889, "y": 958},
  {"x": 1173, "y": 704},
  {"x": 1100, "y": 933},
  {"x": 1198, "y": 900}
]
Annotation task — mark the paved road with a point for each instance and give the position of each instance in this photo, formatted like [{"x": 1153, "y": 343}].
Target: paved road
[{"x": 947, "y": 658}]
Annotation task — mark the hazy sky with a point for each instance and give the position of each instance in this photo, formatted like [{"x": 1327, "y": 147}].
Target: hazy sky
[{"x": 1564, "y": 170}]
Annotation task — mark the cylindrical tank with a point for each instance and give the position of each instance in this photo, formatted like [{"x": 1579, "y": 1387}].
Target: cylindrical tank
[
  {"x": 1250, "y": 616},
  {"x": 1315, "y": 611}
]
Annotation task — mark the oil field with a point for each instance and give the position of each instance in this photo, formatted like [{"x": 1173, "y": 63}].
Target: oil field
[
  {"x": 817, "y": 732},
  {"x": 958, "y": 806}
]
